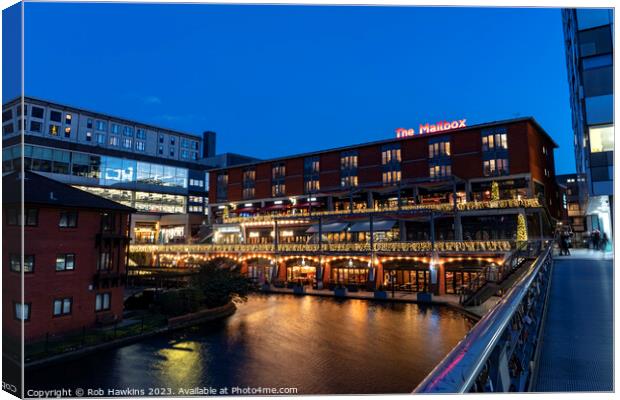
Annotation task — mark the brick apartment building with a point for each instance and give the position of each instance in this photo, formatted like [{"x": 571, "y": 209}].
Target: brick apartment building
[{"x": 74, "y": 258}]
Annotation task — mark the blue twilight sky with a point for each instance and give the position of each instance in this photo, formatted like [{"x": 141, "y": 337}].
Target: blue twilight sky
[{"x": 278, "y": 80}]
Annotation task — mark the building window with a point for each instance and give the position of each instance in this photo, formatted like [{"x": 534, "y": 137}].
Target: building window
[
  {"x": 89, "y": 123},
  {"x": 249, "y": 182},
  {"x": 37, "y": 112},
  {"x": 171, "y": 152},
  {"x": 161, "y": 138},
  {"x": 194, "y": 209},
  {"x": 65, "y": 262},
  {"x": 115, "y": 129},
  {"x": 35, "y": 126},
  {"x": 15, "y": 263},
  {"x": 390, "y": 160},
  {"x": 278, "y": 189},
  {"x": 113, "y": 141},
  {"x": 102, "y": 125},
  {"x": 439, "y": 149},
  {"x": 102, "y": 301},
  {"x": 127, "y": 143},
  {"x": 390, "y": 154},
  {"x": 601, "y": 138},
  {"x": 278, "y": 176},
  {"x": 161, "y": 149},
  {"x": 196, "y": 182},
  {"x": 128, "y": 131},
  {"x": 391, "y": 177},
  {"x": 89, "y": 136},
  {"x": 68, "y": 119},
  {"x": 222, "y": 186},
  {"x": 68, "y": 132},
  {"x": 496, "y": 167},
  {"x": 53, "y": 130},
  {"x": 8, "y": 129},
  {"x": 140, "y": 146},
  {"x": 63, "y": 306},
  {"x": 101, "y": 138},
  {"x": 22, "y": 311},
  {"x": 494, "y": 139},
  {"x": 348, "y": 168},
  {"x": 140, "y": 133},
  {"x": 103, "y": 263},
  {"x": 19, "y": 109},
  {"x": 195, "y": 199},
  {"x": 13, "y": 216},
  {"x": 440, "y": 171},
  {"x": 68, "y": 219},
  {"x": 184, "y": 154},
  {"x": 312, "y": 169},
  {"x": 55, "y": 116},
  {"x": 172, "y": 141}
]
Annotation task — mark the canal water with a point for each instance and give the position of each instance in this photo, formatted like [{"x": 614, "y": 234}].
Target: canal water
[{"x": 313, "y": 344}]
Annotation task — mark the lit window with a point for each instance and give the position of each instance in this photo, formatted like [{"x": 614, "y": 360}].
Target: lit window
[
  {"x": 68, "y": 119},
  {"x": 53, "y": 130},
  {"x": 15, "y": 263},
  {"x": 127, "y": 143},
  {"x": 113, "y": 141},
  {"x": 89, "y": 136},
  {"x": 68, "y": 132},
  {"x": 140, "y": 146},
  {"x": 601, "y": 138}
]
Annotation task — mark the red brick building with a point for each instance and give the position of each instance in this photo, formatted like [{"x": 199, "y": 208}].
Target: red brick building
[
  {"x": 387, "y": 213},
  {"x": 517, "y": 154},
  {"x": 73, "y": 265}
]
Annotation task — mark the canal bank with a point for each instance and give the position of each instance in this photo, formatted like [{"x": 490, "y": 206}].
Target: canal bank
[
  {"x": 312, "y": 343},
  {"x": 172, "y": 324}
]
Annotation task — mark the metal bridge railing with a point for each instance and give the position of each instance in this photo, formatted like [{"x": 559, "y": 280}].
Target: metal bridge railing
[{"x": 496, "y": 355}]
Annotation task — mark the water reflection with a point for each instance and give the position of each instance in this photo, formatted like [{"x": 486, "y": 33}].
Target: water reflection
[{"x": 318, "y": 345}]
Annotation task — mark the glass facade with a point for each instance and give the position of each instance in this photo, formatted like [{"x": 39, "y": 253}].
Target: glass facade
[{"x": 122, "y": 180}]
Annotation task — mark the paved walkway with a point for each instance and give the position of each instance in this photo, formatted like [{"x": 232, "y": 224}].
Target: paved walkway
[{"x": 577, "y": 347}]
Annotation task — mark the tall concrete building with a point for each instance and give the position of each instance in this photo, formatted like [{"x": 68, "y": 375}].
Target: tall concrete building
[{"x": 588, "y": 34}]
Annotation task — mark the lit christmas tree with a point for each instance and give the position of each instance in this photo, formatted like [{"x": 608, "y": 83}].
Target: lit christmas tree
[
  {"x": 521, "y": 228},
  {"x": 494, "y": 191}
]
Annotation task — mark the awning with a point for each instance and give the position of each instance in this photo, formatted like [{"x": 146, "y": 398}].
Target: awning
[
  {"x": 326, "y": 228},
  {"x": 276, "y": 207},
  {"x": 246, "y": 209},
  {"x": 307, "y": 205},
  {"x": 377, "y": 226}
]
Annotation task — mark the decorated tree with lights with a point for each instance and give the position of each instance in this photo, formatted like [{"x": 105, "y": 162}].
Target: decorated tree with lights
[
  {"x": 521, "y": 229},
  {"x": 494, "y": 191}
]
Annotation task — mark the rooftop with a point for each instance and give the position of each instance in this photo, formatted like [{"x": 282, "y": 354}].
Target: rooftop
[
  {"x": 39, "y": 189},
  {"x": 530, "y": 119}
]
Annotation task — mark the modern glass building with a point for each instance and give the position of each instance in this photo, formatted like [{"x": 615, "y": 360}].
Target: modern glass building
[
  {"x": 588, "y": 34},
  {"x": 157, "y": 171}
]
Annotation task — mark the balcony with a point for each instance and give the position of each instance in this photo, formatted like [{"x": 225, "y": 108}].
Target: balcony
[
  {"x": 440, "y": 207},
  {"x": 379, "y": 247}
]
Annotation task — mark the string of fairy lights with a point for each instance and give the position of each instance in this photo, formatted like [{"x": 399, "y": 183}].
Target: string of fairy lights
[{"x": 258, "y": 220}]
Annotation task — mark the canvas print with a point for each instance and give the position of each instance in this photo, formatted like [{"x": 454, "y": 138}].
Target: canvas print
[{"x": 287, "y": 200}]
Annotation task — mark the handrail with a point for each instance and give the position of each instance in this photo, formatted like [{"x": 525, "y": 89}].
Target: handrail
[
  {"x": 458, "y": 371},
  {"x": 444, "y": 207},
  {"x": 381, "y": 247}
]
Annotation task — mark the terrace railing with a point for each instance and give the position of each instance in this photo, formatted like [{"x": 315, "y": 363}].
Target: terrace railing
[
  {"x": 440, "y": 207},
  {"x": 378, "y": 247},
  {"x": 497, "y": 354}
]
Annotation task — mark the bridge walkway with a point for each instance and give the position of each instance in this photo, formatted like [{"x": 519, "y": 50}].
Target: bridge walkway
[{"x": 577, "y": 341}]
